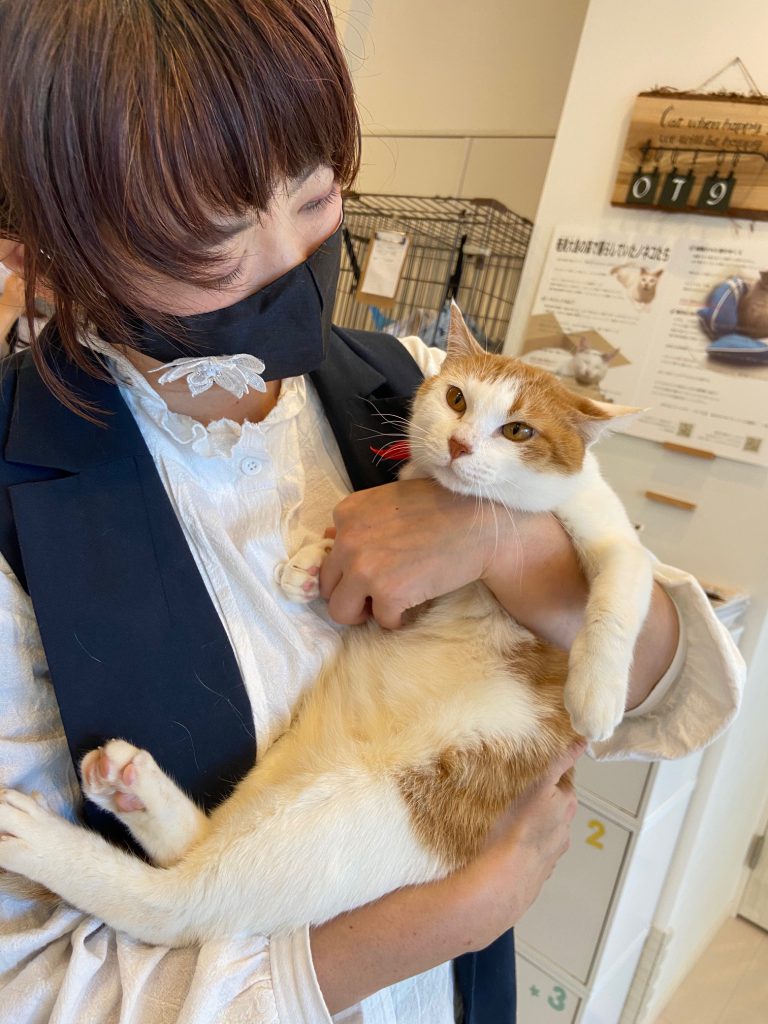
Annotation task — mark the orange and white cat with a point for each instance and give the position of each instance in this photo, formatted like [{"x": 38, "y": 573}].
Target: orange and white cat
[{"x": 412, "y": 741}]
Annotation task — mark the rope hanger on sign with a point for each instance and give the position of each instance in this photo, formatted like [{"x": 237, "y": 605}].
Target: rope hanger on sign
[{"x": 737, "y": 62}]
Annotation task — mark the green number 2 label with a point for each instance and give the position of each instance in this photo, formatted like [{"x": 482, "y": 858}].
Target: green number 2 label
[
  {"x": 597, "y": 834},
  {"x": 557, "y": 999}
]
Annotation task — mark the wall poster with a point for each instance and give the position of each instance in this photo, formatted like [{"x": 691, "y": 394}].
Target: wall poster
[{"x": 676, "y": 326}]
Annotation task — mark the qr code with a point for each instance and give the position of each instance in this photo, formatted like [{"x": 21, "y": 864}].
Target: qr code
[
  {"x": 752, "y": 444},
  {"x": 684, "y": 429}
]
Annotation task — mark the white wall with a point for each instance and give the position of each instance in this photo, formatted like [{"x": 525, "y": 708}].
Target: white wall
[
  {"x": 460, "y": 98},
  {"x": 626, "y": 48}
]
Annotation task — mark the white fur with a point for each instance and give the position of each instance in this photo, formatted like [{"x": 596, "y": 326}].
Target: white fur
[{"x": 620, "y": 580}]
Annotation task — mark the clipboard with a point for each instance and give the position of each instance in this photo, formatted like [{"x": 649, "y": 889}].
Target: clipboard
[{"x": 382, "y": 269}]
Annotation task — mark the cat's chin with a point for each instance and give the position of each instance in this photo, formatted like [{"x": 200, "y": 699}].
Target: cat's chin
[{"x": 447, "y": 477}]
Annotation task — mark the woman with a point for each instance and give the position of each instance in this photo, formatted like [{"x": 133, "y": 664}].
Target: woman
[{"x": 173, "y": 171}]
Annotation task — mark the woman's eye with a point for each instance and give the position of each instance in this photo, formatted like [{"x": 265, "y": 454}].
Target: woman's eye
[
  {"x": 517, "y": 431},
  {"x": 455, "y": 399},
  {"x": 320, "y": 204},
  {"x": 225, "y": 282}
]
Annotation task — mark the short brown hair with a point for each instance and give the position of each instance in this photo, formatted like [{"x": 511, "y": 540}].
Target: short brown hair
[{"x": 126, "y": 125}]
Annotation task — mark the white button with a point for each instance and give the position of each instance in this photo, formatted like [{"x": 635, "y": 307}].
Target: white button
[{"x": 250, "y": 466}]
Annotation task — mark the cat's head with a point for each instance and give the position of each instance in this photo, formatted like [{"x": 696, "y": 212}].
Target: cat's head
[
  {"x": 590, "y": 365},
  {"x": 649, "y": 278},
  {"x": 495, "y": 427}
]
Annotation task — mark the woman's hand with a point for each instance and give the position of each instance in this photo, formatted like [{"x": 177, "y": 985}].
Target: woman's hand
[
  {"x": 417, "y": 928},
  {"x": 400, "y": 545}
]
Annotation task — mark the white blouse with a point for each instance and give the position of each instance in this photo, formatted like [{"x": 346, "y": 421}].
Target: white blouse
[{"x": 247, "y": 496}]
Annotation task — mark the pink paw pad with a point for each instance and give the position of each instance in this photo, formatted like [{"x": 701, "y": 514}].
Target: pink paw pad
[{"x": 105, "y": 777}]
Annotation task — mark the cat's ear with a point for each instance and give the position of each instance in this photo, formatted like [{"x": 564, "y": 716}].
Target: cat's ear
[
  {"x": 460, "y": 341},
  {"x": 595, "y": 419}
]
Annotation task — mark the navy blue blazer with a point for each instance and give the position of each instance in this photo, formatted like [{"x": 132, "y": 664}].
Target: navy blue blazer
[{"x": 134, "y": 644}]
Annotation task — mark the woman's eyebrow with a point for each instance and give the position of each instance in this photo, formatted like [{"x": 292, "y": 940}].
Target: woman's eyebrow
[
  {"x": 230, "y": 230},
  {"x": 294, "y": 184}
]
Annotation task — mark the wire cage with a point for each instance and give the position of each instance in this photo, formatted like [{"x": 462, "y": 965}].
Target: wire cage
[{"x": 470, "y": 250}]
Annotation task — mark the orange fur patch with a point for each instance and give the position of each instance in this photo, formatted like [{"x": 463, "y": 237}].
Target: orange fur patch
[{"x": 455, "y": 799}]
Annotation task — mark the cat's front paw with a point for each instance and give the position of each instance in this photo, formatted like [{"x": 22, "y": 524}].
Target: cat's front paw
[
  {"x": 596, "y": 707},
  {"x": 299, "y": 578}
]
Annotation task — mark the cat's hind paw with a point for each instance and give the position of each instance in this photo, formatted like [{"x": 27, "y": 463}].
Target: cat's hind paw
[
  {"x": 299, "y": 578},
  {"x": 116, "y": 777},
  {"x": 128, "y": 782}
]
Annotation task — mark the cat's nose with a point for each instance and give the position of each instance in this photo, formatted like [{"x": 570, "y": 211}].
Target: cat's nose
[{"x": 457, "y": 448}]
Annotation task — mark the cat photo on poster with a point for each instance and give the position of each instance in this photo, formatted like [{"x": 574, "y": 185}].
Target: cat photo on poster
[
  {"x": 580, "y": 360},
  {"x": 639, "y": 283}
]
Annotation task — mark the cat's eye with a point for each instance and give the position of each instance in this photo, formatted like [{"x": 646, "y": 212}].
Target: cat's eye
[
  {"x": 517, "y": 431},
  {"x": 455, "y": 399}
]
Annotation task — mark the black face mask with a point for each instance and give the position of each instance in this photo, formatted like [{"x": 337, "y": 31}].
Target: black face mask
[{"x": 286, "y": 324}]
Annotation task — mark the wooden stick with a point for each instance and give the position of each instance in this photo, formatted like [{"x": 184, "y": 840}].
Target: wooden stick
[
  {"x": 699, "y": 453},
  {"x": 667, "y": 499}
]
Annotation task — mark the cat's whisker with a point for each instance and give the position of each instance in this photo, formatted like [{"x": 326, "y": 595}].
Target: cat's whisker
[
  {"x": 495, "y": 523},
  {"x": 414, "y": 429},
  {"x": 479, "y": 511},
  {"x": 519, "y": 547}
]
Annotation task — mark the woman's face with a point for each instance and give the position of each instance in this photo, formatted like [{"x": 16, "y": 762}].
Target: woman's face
[{"x": 304, "y": 212}]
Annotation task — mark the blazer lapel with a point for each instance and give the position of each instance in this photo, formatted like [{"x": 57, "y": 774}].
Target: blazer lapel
[
  {"x": 135, "y": 646},
  {"x": 366, "y": 385}
]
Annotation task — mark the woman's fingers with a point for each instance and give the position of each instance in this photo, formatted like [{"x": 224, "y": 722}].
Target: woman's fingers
[{"x": 564, "y": 763}]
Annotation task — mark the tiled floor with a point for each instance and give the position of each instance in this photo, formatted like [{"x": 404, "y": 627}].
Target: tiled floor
[{"x": 729, "y": 984}]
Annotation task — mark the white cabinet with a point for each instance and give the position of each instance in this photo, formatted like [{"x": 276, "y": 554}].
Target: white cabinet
[{"x": 565, "y": 924}]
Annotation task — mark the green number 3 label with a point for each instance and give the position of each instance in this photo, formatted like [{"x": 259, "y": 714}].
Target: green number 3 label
[
  {"x": 557, "y": 999},
  {"x": 597, "y": 834}
]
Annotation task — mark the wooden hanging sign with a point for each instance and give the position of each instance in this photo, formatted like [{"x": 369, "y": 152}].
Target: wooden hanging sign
[{"x": 694, "y": 153}]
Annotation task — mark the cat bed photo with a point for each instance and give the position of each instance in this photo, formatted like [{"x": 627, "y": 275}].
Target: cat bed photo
[
  {"x": 738, "y": 348},
  {"x": 732, "y": 341}
]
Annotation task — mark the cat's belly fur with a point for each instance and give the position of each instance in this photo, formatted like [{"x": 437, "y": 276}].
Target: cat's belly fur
[
  {"x": 425, "y": 734},
  {"x": 463, "y": 672}
]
